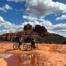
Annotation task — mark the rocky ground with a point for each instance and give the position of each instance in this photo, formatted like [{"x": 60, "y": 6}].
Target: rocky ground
[{"x": 43, "y": 55}]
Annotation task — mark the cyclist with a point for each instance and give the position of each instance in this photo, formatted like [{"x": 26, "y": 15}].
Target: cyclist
[
  {"x": 19, "y": 40},
  {"x": 33, "y": 44}
]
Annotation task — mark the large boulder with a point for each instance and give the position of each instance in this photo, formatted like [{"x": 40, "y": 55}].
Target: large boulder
[
  {"x": 40, "y": 29},
  {"x": 28, "y": 27}
]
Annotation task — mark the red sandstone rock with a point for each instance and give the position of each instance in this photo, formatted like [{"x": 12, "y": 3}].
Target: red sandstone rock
[
  {"x": 8, "y": 60},
  {"x": 39, "y": 33},
  {"x": 44, "y": 55}
]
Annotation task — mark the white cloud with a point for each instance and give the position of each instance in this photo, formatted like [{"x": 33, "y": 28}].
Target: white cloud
[
  {"x": 61, "y": 17},
  {"x": 45, "y": 7},
  {"x": 6, "y": 26},
  {"x": 58, "y": 28},
  {"x": 16, "y": 1},
  {"x": 34, "y": 21},
  {"x": 5, "y": 8},
  {"x": 1, "y": 20},
  {"x": 61, "y": 32}
]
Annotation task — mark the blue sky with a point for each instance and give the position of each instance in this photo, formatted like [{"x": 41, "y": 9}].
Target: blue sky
[
  {"x": 14, "y": 10},
  {"x": 62, "y": 1},
  {"x": 15, "y": 15}
]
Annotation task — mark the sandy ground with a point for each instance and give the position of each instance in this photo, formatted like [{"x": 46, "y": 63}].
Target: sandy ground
[{"x": 43, "y": 55}]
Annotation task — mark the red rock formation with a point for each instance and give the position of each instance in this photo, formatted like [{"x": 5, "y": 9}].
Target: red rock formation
[
  {"x": 39, "y": 33},
  {"x": 28, "y": 27},
  {"x": 40, "y": 29}
]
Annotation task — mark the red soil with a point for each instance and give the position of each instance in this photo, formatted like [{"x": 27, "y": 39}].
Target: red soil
[{"x": 44, "y": 55}]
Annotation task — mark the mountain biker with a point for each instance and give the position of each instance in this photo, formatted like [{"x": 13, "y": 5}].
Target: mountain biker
[
  {"x": 33, "y": 44},
  {"x": 19, "y": 40}
]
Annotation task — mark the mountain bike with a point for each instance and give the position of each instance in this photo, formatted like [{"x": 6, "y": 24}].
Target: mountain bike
[{"x": 24, "y": 46}]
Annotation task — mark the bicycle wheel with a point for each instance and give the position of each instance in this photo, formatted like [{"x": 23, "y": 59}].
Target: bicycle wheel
[
  {"x": 15, "y": 46},
  {"x": 29, "y": 47},
  {"x": 25, "y": 47},
  {"x": 21, "y": 47},
  {"x": 37, "y": 46}
]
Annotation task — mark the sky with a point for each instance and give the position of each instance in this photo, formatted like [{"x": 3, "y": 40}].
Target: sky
[{"x": 14, "y": 14}]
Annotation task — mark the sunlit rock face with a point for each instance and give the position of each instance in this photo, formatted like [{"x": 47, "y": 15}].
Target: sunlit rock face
[{"x": 8, "y": 60}]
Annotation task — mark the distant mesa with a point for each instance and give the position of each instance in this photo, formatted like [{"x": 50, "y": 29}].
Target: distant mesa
[{"x": 39, "y": 33}]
